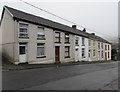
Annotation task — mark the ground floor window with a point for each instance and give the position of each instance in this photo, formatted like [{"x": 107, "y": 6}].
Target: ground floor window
[
  {"x": 108, "y": 55},
  {"x": 83, "y": 52},
  {"x": 40, "y": 49},
  {"x": 102, "y": 54},
  {"x": 93, "y": 52},
  {"x": 67, "y": 51},
  {"x": 89, "y": 53}
]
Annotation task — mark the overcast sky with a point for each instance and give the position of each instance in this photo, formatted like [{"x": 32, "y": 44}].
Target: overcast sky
[{"x": 99, "y": 17}]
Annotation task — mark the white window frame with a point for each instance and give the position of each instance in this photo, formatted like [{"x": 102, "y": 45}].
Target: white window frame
[
  {"x": 26, "y": 33},
  {"x": 40, "y": 34},
  {"x": 83, "y": 41},
  {"x": 41, "y": 47},
  {"x": 83, "y": 53}
]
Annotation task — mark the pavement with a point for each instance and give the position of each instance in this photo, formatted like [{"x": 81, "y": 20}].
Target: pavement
[{"x": 75, "y": 77}]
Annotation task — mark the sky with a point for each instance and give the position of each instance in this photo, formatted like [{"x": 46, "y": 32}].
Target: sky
[{"x": 97, "y": 16}]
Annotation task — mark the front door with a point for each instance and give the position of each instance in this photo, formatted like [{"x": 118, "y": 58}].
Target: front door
[
  {"x": 57, "y": 53},
  {"x": 76, "y": 54},
  {"x": 105, "y": 55},
  {"x": 22, "y": 52}
]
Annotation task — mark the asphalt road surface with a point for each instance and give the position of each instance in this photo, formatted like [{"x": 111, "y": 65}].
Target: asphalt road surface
[{"x": 76, "y": 77}]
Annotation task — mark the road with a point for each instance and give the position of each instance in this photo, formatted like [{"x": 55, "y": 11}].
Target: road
[{"x": 76, "y": 77}]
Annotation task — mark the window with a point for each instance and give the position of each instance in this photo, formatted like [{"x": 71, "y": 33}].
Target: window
[
  {"x": 108, "y": 47},
  {"x": 89, "y": 53},
  {"x": 102, "y": 54},
  {"x": 77, "y": 41},
  {"x": 23, "y": 30},
  {"x": 93, "y": 43},
  {"x": 108, "y": 55},
  {"x": 57, "y": 37},
  {"x": 89, "y": 42},
  {"x": 41, "y": 33},
  {"x": 102, "y": 45},
  {"x": 66, "y": 38},
  {"x": 40, "y": 49},
  {"x": 98, "y": 45},
  {"x": 83, "y": 41},
  {"x": 83, "y": 52},
  {"x": 105, "y": 47},
  {"x": 67, "y": 52},
  {"x": 93, "y": 52}
]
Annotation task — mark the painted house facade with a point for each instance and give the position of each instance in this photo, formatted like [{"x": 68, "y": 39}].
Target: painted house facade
[
  {"x": 34, "y": 40},
  {"x": 81, "y": 48}
]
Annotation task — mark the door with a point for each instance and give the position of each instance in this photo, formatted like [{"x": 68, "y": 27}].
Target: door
[
  {"x": 22, "y": 52},
  {"x": 57, "y": 53},
  {"x": 105, "y": 55},
  {"x": 76, "y": 54},
  {"x": 98, "y": 55}
]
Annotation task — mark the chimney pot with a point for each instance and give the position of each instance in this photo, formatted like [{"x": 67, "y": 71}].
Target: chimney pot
[
  {"x": 93, "y": 33},
  {"x": 74, "y": 26},
  {"x": 84, "y": 30}
]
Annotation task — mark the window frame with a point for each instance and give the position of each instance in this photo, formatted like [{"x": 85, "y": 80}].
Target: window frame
[
  {"x": 41, "y": 56},
  {"x": 67, "y": 38},
  {"x": 40, "y": 38},
  {"x": 94, "y": 52},
  {"x": 59, "y": 37},
  {"x": 67, "y": 52},
  {"x": 24, "y": 33},
  {"x": 83, "y": 53},
  {"x": 77, "y": 40},
  {"x": 83, "y": 41}
]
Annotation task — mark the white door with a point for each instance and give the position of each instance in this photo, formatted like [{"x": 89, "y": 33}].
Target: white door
[
  {"x": 23, "y": 53},
  {"x": 98, "y": 55},
  {"x": 76, "y": 54}
]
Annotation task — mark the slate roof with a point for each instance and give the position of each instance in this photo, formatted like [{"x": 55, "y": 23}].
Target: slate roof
[{"x": 20, "y": 15}]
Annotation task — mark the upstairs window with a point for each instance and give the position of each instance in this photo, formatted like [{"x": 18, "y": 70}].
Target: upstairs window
[
  {"x": 83, "y": 41},
  {"x": 98, "y": 45},
  {"x": 41, "y": 33},
  {"x": 23, "y": 30},
  {"x": 105, "y": 47},
  {"x": 89, "y": 42},
  {"x": 93, "y": 43},
  {"x": 57, "y": 37},
  {"x": 67, "y": 38},
  {"x": 102, "y": 45},
  {"x": 108, "y": 47},
  {"x": 77, "y": 41}
]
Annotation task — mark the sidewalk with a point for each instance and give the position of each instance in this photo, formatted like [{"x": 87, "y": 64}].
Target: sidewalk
[{"x": 32, "y": 66}]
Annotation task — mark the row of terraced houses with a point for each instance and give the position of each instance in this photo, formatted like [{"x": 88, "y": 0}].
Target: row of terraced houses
[{"x": 35, "y": 40}]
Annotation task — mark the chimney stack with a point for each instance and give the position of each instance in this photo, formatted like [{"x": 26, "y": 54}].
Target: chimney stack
[
  {"x": 74, "y": 26},
  {"x": 93, "y": 33},
  {"x": 84, "y": 30}
]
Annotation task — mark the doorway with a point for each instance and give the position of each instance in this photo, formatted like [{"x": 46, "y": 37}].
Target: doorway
[{"x": 57, "y": 53}]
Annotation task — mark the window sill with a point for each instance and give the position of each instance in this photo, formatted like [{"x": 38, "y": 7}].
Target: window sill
[
  {"x": 67, "y": 42},
  {"x": 83, "y": 45},
  {"x": 41, "y": 56},
  {"x": 24, "y": 37},
  {"x": 41, "y": 39},
  {"x": 67, "y": 57},
  {"x": 57, "y": 42}
]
